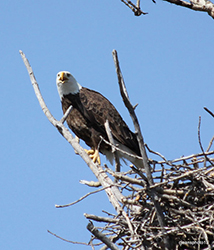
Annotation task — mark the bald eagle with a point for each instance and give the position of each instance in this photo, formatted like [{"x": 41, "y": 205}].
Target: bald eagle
[{"x": 90, "y": 110}]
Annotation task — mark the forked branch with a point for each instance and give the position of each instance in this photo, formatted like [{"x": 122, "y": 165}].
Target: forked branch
[
  {"x": 197, "y": 5},
  {"x": 112, "y": 191},
  {"x": 101, "y": 236}
]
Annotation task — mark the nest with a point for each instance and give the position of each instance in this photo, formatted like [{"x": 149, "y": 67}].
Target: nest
[{"x": 184, "y": 190}]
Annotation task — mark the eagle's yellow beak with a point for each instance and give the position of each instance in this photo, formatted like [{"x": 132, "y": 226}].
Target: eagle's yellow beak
[{"x": 62, "y": 77}]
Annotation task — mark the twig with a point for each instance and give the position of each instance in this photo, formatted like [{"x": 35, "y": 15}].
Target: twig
[
  {"x": 128, "y": 179},
  {"x": 90, "y": 183},
  {"x": 199, "y": 134},
  {"x": 210, "y": 112},
  {"x": 80, "y": 199},
  {"x": 65, "y": 116},
  {"x": 179, "y": 177},
  {"x": 183, "y": 158},
  {"x": 174, "y": 198},
  {"x": 69, "y": 241},
  {"x": 204, "y": 234},
  {"x": 111, "y": 139},
  {"x": 156, "y": 153},
  {"x": 139, "y": 172},
  {"x": 199, "y": 139},
  {"x": 207, "y": 184},
  {"x": 101, "y": 236},
  {"x": 135, "y": 8},
  {"x": 210, "y": 144},
  {"x": 104, "y": 219}
]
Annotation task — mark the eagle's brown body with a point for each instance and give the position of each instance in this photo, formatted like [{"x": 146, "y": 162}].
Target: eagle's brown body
[{"x": 90, "y": 112}]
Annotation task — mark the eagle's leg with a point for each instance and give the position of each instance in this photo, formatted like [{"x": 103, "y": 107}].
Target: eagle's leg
[{"x": 94, "y": 155}]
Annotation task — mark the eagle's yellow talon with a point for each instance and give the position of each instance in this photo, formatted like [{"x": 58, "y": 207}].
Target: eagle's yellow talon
[
  {"x": 94, "y": 155},
  {"x": 89, "y": 152}
]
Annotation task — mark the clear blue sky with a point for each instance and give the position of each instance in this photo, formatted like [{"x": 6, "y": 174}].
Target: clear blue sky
[{"x": 167, "y": 62}]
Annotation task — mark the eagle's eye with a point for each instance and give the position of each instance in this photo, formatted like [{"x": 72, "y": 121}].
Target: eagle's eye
[
  {"x": 68, "y": 74},
  {"x": 58, "y": 74}
]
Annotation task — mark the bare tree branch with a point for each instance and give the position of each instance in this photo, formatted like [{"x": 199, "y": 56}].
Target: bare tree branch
[
  {"x": 183, "y": 158},
  {"x": 68, "y": 111},
  {"x": 197, "y": 5},
  {"x": 90, "y": 183},
  {"x": 210, "y": 144},
  {"x": 156, "y": 153},
  {"x": 199, "y": 134},
  {"x": 210, "y": 112},
  {"x": 128, "y": 179},
  {"x": 101, "y": 236},
  {"x": 135, "y": 8},
  {"x": 146, "y": 165},
  {"x": 111, "y": 139},
  {"x": 69, "y": 241},
  {"x": 199, "y": 139},
  {"x": 104, "y": 219},
  {"x": 112, "y": 191},
  {"x": 124, "y": 94},
  {"x": 80, "y": 199}
]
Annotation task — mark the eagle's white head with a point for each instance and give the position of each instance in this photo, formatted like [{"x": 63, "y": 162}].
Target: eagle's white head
[{"x": 66, "y": 84}]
